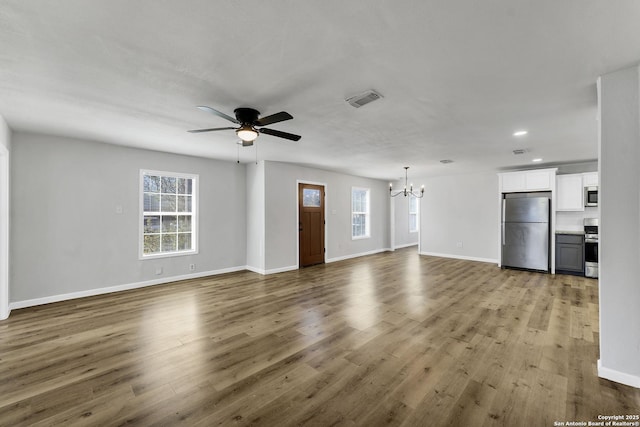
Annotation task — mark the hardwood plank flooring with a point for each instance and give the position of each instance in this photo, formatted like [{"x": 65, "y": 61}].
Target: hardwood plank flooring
[{"x": 388, "y": 339}]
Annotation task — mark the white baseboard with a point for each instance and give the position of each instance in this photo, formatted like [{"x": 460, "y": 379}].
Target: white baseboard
[
  {"x": 406, "y": 245},
  {"x": 256, "y": 269},
  {"x": 281, "y": 269},
  {"x": 271, "y": 271},
  {"x": 463, "y": 257},
  {"x": 617, "y": 376},
  {"x": 342, "y": 258},
  {"x": 118, "y": 288}
]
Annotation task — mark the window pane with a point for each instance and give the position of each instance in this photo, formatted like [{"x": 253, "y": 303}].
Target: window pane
[
  {"x": 184, "y": 241},
  {"x": 151, "y": 183},
  {"x": 358, "y": 225},
  {"x": 169, "y": 242},
  {"x": 169, "y": 224},
  {"x": 168, "y": 203},
  {"x": 413, "y": 205},
  {"x": 184, "y": 203},
  {"x": 184, "y": 223},
  {"x": 310, "y": 197},
  {"x": 151, "y": 244},
  {"x": 184, "y": 185},
  {"x": 168, "y": 184},
  {"x": 151, "y": 224},
  {"x": 413, "y": 223},
  {"x": 151, "y": 202}
]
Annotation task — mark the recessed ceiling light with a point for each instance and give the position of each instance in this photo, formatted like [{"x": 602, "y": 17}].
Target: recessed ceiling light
[
  {"x": 520, "y": 133},
  {"x": 537, "y": 160}
]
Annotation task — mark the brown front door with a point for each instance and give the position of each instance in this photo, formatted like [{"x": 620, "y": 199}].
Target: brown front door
[{"x": 311, "y": 224}]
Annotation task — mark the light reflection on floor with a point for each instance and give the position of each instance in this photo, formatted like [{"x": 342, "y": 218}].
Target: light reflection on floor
[
  {"x": 413, "y": 286},
  {"x": 171, "y": 325},
  {"x": 362, "y": 307}
]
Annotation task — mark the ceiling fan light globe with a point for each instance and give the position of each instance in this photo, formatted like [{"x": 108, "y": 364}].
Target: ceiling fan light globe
[{"x": 245, "y": 133}]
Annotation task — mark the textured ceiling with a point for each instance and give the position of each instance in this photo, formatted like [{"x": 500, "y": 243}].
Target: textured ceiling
[{"x": 458, "y": 77}]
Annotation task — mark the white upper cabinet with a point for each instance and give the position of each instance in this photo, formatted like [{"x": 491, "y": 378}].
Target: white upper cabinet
[
  {"x": 570, "y": 193},
  {"x": 534, "y": 180},
  {"x": 513, "y": 182},
  {"x": 590, "y": 179}
]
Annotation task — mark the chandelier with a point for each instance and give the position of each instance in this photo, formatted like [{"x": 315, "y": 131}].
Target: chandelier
[{"x": 406, "y": 192}]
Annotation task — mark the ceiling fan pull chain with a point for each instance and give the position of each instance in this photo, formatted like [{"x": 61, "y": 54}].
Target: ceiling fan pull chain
[
  {"x": 238, "y": 154},
  {"x": 256, "y": 153}
]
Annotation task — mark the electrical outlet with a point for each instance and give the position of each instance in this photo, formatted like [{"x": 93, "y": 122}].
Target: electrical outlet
[
  {"x": 158, "y": 270},
  {"x": 459, "y": 244},
  {"x": 192, "y": 267}
]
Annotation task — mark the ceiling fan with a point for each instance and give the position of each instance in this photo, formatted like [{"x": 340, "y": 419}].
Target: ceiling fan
[{"x": 250, "y": 124}]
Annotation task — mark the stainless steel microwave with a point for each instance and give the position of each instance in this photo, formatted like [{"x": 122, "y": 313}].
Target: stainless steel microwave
[{"x": 591, "y": 196}]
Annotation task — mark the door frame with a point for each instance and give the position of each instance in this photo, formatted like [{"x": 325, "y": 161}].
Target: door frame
[
  {"x": 4, "y": 233},
  {"x": 297, "y": 223}
]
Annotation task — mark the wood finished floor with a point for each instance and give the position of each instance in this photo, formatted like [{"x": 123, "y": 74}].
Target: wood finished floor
[{"x": 388, "y": 339}]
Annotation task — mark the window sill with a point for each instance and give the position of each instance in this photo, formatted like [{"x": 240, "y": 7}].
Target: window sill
[
  {"x": 167, "y": 255},
  {"x": 360, "y": 237}
]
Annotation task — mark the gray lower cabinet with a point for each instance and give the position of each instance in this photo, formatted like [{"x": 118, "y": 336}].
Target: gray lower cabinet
[{"x": 570, "y": 254}]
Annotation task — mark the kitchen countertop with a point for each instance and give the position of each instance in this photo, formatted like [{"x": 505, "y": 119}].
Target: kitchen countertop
[{"x": 578, "y": 233}]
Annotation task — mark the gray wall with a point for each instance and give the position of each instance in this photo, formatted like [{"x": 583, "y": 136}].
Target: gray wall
[
  {"x": 281, "y": 209},
  {"x": 461, "y": 208},
  {"x": 67, "y": 237},
  {"x": 255, "y": 216},
  {"x": 620, "y": 226}
]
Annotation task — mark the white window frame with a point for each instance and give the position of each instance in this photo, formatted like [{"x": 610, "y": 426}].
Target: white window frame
[
  {"x": 416, "y": 213},
  {"x": 367, "y": 214},
  {"x": 194, "y": 214}
]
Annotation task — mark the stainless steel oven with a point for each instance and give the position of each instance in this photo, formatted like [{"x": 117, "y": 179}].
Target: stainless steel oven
[
  {"x": 591, "y": 247},
  {"x": 591, "y": 196}
]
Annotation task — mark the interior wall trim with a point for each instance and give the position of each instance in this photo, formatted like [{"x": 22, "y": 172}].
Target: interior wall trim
[
  {"x": 406, "y": 245},
  {"x": 5, "y": 308},
  {"x": 463, "y": 257},
  {"x": 107, "y": 290},
  {"x": 272, "y": 270},
  {"x": 617, "y": 376}
]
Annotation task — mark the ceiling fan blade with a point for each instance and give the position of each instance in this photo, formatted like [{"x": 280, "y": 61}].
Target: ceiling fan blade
[
  {"x": 207, "y": 130},
  {"x": 217, "y": 113},
  {"x": 280, "y": 134},
  {"x": 274, "y": 118}
]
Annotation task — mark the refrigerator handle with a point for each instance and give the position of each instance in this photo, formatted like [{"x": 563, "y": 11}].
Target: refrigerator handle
[{"x": 503, "y": 212}]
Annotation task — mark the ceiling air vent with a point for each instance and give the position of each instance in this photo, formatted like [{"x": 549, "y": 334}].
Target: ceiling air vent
[
  {"x": 363, "y": 98},
  {"x": 519, "y": 151},
  {"x": 446, "y": 161}
]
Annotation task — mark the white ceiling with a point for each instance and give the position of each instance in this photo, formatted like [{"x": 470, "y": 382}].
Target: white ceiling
[{"x": 458, "y": 76}]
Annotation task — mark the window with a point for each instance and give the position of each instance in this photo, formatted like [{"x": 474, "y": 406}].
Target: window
[
  {"x": 168, "y": 206},
  {"x": 414, "y": 211},
  {"x": 359, "y": 213}
]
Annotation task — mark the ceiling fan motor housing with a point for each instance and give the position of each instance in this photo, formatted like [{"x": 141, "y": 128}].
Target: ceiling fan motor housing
[{"x": 246, "y": 115}]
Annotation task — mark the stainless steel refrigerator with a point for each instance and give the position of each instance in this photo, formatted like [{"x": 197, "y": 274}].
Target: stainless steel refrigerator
[{"x": 525, "y": 233}]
